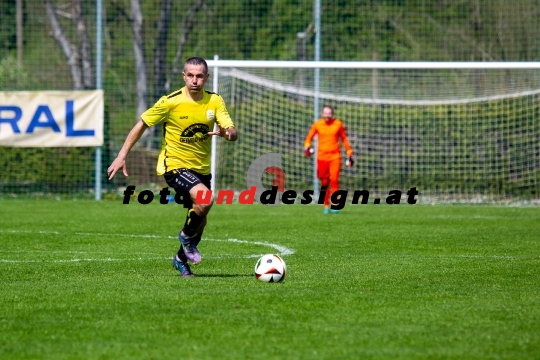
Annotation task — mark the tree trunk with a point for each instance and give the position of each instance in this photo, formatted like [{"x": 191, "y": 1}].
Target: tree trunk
[
  {"x": 160, "y": 62},
  {"x": 69, "y": 50},
  {"x": 160, "y": 52},
  {"x": 189, "y": 23},
  {"x": 138, "y": 50},
  {"x": 375, "y": 77},
  {"x": 85, "y": 46},
  {"x": 19, "y": 15}
]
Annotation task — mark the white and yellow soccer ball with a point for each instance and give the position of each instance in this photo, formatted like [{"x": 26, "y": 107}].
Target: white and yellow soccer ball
[{"x": 270, "y": 268}]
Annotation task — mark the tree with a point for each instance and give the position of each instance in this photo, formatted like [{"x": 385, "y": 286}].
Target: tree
[
  {"x": 161, "y": 80},
  {"x": 188, "y": 24},
  {"x": 79, "y": 55},
  {"x": 8, "y": 35},
  {"x": 160, "y": 51},
  {"x": 140, "y": 62}
]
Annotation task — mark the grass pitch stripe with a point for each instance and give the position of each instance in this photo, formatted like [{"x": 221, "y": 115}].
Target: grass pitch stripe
[
  {"x": 77, "y": 260},
  {"x": 282, "y": 250}
]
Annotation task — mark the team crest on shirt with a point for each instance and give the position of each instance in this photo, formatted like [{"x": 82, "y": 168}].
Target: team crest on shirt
[
  {"x": 210, "y": 115},
  {"x": 195, "y": 133}
]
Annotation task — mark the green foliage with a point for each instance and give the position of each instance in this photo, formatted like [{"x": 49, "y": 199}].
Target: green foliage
[
  {"x": 40, "y": 169},
  {"x": 388, "y": 30},
  {"x": 14, "y": 77},
  {"x": 8, "y": 26},
  {"x": 46, "y": 170}
]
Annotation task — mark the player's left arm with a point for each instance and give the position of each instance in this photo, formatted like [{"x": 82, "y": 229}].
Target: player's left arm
[
  {"x": 229, "y": 133},
  {"x": 345, "y": 140},
  {"x": 348, "y": 148},
  {"x": 225, "y": 124}
]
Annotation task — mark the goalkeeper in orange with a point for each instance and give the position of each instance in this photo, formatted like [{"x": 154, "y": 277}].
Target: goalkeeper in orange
[{"x": 328, "y": 130}]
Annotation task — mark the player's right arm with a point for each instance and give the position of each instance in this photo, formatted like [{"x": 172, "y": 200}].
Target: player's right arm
[
  {"x": 120, "y": 161},
  {"x": 156, "y": 114},
  {"x": 307, "y": 143}
]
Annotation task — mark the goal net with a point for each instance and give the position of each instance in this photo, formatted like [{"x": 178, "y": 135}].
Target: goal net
[{"x": 470, "y": 134}]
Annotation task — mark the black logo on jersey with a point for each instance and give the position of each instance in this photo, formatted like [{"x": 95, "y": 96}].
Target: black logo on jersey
[{"x": 195, "y": 133}]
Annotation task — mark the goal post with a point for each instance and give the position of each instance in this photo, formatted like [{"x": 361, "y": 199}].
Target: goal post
[{"x": 463, "y": 131}]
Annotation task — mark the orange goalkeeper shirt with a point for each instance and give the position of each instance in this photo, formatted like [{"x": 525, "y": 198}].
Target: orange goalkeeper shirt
[{"x": 328, "y": 134}]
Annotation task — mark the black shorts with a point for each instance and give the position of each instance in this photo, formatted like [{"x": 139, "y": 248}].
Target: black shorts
[{"x": 183, "y": 180}]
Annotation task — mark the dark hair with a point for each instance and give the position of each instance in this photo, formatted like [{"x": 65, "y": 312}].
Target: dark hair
[
  {"x": 328, "y": 106},
  {"x": 196, "y": 61}
]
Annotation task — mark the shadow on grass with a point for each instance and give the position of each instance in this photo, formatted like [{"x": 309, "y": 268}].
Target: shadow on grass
[{"x": 223, "y": 275}]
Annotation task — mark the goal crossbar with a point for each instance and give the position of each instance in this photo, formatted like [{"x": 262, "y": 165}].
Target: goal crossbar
[
  {"x": 269, "y": 84},
  {"x": 501, "y": 65}
]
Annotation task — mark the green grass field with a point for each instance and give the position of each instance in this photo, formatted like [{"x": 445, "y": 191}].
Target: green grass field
[{"x": 83, "y": 279}]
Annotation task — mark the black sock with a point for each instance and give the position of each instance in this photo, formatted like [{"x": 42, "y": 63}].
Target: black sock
[
  {"x": 181, "y": 254},
  {"x": 192, "y": 223},
  {"x": 197, "y": 238}
]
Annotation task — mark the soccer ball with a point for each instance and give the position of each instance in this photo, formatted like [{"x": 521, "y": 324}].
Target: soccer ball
[{"x": 270, "y": 268}]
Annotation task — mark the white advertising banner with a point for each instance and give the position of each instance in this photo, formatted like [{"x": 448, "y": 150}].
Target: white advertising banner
[{"x": 51, "y": 118}]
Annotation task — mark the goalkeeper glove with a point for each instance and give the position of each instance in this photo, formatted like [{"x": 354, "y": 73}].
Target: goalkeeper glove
[
  {"x": 350, "y": 161},
  {"x": 308, "y": 151}
]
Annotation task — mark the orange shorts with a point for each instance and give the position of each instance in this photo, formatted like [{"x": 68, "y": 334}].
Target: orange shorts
[
  {"x": 329, "y": 169},
  {"x": 328, "y": 173}
]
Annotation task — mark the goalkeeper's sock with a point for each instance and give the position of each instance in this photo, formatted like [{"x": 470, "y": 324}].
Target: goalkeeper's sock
[
  {"x": 323, "y": 194},
  {"x": 327, "y": 198}
]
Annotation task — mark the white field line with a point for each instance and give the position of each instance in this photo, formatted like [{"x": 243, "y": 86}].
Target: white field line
[
  {"x": 28, "y": 232},
  {"x": 74, "y": 260},
  {"x": 127, "y": 235},
  {"x": 282, "y": 250}
]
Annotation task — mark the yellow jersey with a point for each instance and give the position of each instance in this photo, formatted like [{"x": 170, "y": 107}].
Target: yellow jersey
[{"x": 186, "y": 123}]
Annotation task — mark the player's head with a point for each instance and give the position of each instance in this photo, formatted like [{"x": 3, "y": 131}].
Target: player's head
[
  {"x": 195, "y": 73},
  {"x": 327, "y": 112},
  {"x": 196, "y": 61}
]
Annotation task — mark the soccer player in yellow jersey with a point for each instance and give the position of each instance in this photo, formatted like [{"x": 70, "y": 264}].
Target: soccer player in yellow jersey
[{"x": 187, "y": 117}]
